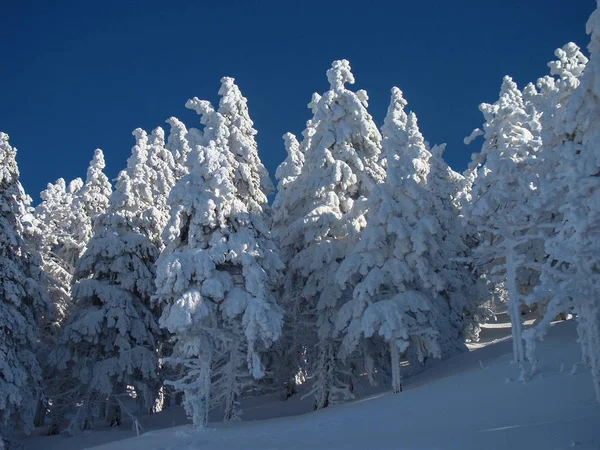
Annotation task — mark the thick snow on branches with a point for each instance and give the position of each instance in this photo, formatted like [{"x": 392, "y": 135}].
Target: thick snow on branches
[
  {"x": 23, "y": 302},
  {"x": 217, "y": 275}
]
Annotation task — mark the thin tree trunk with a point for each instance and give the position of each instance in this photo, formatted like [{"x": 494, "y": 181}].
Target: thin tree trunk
[
  {"x": 230, "y": 399},
  {"x": 396, "y": 369},
  {"x": 113, "y": 411},
  {"x": 369, "y": 365},
  {"x": 324, "y": 375},
  {"x": 40, "y": 412},
  {"x": 514, "y": 303}
]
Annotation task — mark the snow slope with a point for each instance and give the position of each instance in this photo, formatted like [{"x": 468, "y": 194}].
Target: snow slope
[{"x": 471, "y": 401}]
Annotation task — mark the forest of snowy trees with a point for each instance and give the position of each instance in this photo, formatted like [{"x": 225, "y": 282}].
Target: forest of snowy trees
[{"x": 181, "y": 284}]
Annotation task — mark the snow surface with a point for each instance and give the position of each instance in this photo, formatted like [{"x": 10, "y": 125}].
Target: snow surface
[{"x": 471, "y": 401}]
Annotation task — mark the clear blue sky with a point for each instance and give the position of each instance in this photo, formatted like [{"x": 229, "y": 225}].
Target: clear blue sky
[{"x": 83, "y": 74}]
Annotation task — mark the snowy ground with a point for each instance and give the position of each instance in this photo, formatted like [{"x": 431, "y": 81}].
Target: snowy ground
[{"x": 471, "y": 401}]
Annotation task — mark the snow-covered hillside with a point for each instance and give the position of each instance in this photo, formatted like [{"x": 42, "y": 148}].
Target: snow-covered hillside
[{"x": 555, "y": 410}]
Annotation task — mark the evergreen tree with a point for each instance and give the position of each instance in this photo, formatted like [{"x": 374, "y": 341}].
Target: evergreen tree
[
  {"x": 340, "y": 170},
  {"x": 253, "y": 183},
  {"x": 55, "y": 218},
  {"x": 162, "y": 175},
  {"x": 217, "y": 273},
  {"x": 109, "y": 342},
  {"x": 59, "y": 247},
  {"x": 467, "y": 294},
  {"x": 289, "y": 361},
  {"x": 574, "y": 250},
  {"x": 399, "y": 270},
  {"x": 91, "y": 201},
  {"x": 502, "y": 195},
  {"x": 23, "y": 303}
]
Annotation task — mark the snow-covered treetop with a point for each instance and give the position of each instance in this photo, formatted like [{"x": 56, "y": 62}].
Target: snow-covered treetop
[
  {"x": 289, "y": 169},
  {"x": 231, "y": 127},
  {"x": 21, "y": 204},
  {"x": 509, "y": 111},
  {"x": 346, "y": 139},
  {"x": 505, "y": 164},
  {"x": 123, "y": 198},
  {"x": 96, "y": 190},
  {"x": 234, "y": 107},
  {"x": 444, "y": 182},
  {"x": 9, "y": 182},
  {"x": 179, "y": 145},
  {"x": 401, "y": 131},
  {"x": 340, "y": 74}
]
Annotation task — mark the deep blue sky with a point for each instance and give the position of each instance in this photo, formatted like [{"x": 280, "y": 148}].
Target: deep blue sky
[{"x": 83, "y": 74}]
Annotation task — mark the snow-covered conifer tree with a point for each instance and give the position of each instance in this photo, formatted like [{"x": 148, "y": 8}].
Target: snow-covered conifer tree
[
  {"x": 502, "y": 192},
  {"x": 109, "y": 342},
  {"x": 163, "y": 173},
  {"x": 396, "y": 268},
  {"x": 466, "y": 294},
  {"x": 59, "y": 247},
  {"x": 23, "y": 303},
  {"x": 91, "y": 200},
  {"x": 574, "y": 250},
  {"x": 551, "y": 102},
  {"x": 253, "y": 181},
  {"x": 216, "y": 276},
  {"x": 341, "y": 168}
]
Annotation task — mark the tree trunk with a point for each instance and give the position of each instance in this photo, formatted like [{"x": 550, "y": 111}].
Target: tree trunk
[
  {"x": 113, "y": 411},
  {"x": 514, "y": 302},
  {"x": 396, "y": 369},
  {"x": 229, "y": 408},
  {"x": 40, "y": 412},
  {"x": 324, "y": 376},
  {"x": 369, "y": 366}
]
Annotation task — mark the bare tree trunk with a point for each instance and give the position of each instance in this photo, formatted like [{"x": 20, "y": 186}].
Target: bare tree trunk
[
  {"x": 514, "y": 301},
  {"x": 40, "y": 412},
  {"x": 396, "y": 369},
  {"x": 113, "y": 411}
]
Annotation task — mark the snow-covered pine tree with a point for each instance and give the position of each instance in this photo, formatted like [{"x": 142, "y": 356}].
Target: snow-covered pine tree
[
  {"x": 253, "y": 182},
  {"x": 466, "y": 294},
  {"x": 286, "y": 174},
  {"x": 502, "y": 193},
  {"x": 163, "y": 173},
  {"x": 91, "y": 200},
  {"x": 55, "y": 218},
  {"x": 574, "y": 250},
  {"x": 23, "y": 303},
  {"x": 289, "y": 366},
  {"x": 287, "y": 351},
  {"x": 551, "y": 102},
  {"x": 395, "y": 270},
  {"x": 59, "y": 248},
  {"x": 341, "y": 168},
  {"x": 215, "y": 278},
  {"x": 109, "y": 342}
]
